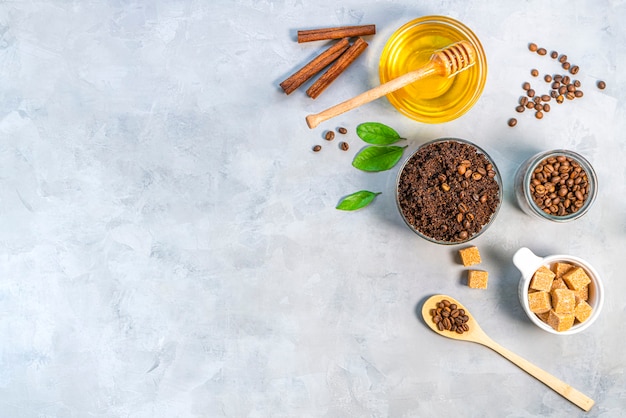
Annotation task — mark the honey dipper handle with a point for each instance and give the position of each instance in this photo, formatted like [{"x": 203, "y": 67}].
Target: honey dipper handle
[
  {"x": 577, "y": 398},
  {"x": 371, "y": 95}
]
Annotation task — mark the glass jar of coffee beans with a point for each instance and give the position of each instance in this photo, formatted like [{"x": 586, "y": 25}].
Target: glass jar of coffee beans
[{"x": 557, "y": 185}]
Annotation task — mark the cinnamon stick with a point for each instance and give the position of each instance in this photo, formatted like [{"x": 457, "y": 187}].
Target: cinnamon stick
[
  {"x": 314, "y": 66},
  {"x": 337, "y": 68},
  {"x": 335, "y": 33}
]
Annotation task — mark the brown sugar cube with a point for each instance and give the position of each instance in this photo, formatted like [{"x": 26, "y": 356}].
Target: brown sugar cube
[
  {"x": 560, "y": 321},
  {"x": 558, "y": 284},
  {"x": 539, "y": 302},
  {"x": 543, "y": 316},
  {"x": 563, "y": 301},
  {"x": 470, "y": 256},
  {"x": 583, "y": 293},
  {"x": 477, "y": 279},
  {"x": 561, "y": 268},
  {"x": 583, "y": 311},
  {"x": 542, "y": 279},
  {"x": 576, "y": 278}
]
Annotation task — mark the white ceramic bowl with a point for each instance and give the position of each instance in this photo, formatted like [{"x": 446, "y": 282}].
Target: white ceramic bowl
[{"x": 527, "y": 263}]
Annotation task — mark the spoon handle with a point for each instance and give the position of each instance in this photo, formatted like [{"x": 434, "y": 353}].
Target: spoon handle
[
  {"x": 371, "y": 95},
  {"x": 578, "y": 398}
]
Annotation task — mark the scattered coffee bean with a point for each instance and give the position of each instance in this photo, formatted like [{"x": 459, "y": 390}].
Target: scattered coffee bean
[
  {"x": 539, "y": 114},
  {"x": 526, "y": 86},
  {"x": 546, "y": 107},
  {"x": 532, "y": 47},
  {"x": 547, "y": 78},
  {"x": 546, "y": 97},
  {"x": 566, "y": 65},
  {"x": 534, "y": 72},
  {"x": 520, "y": 109},
  {"x": 574, "y": 69},
  {"x": 542, "y": 51},
  {"x": 530, "y": 93},
  {"x": 317, "y": 148},
  {"x": 601, "y": 85},
  {"x": 330, "y": 135},
  {"x": 342, "y": 130},
  {"x": 554, "y": 54},
  {"x": 578, "y": 93},
  {"x": 344, "y": 146},
  {"x": 563, "y": 58},
  {"x": 513, "y": 121}
]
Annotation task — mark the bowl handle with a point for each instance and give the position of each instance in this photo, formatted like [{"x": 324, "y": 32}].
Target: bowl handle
[{"x": 526, "y": 261}]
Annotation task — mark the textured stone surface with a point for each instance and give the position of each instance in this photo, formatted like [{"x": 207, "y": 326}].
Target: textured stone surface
[{"x": 169, "y": 244}]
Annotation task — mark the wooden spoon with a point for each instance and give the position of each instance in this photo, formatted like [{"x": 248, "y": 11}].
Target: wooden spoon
[
  {"x": 445, "y": 62},
  {"x": 477, "y": 335}
]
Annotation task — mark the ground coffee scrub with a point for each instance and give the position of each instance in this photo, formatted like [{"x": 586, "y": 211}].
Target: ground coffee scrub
[{"x": 448, "y": 191}]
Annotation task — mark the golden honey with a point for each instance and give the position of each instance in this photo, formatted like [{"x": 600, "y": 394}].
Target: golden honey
[{"x": 434, "y": 99}]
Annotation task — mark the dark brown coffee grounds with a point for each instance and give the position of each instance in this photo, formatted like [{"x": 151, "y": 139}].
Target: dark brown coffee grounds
[{"x": 447, "y": 191}]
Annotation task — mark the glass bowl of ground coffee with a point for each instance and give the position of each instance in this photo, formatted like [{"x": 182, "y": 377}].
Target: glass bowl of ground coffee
[
  {"x": 449, "y": 191},
  {"x": 557, "y": 185}
]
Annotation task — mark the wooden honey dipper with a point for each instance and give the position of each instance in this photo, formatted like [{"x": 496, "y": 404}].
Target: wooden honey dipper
[{"x": 445, "y": 62}]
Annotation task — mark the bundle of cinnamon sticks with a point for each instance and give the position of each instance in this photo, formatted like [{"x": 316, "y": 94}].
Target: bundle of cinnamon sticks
[{"x": 341, "y": 54}]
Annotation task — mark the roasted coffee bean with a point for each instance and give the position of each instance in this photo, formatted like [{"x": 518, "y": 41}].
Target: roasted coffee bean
[
  {"x": 577, "y": 83},
  {"x": 554, "y": 54},
  {"x": 578, "y": 93},
  {"x": 539, "y": 114},
  {"x": 530, "y": 105},
  {"x": 530, "y": 92},
  {"x": 519, "y": 109},
  {"x": 532, "y": 47},
  {"x": 560, "y": 99},
  {"x": 601, "y": 85},
  {"x": 574, "y": 69},
  {"x": 563, "y": 90},
  {"x": 538, "y": 107},
  {"x": 317, "y": 148},
  {"x": 534, "y": 72},
  {"x": 523, "y": 100},
  {"x": 342, "y": 130},
  {"x": 546, "y": 107},
  {"x": 570, "y": 95},
  {"x": 330, "y": 135},
  {"x": 547, "y": 78},
  {"x": 563, "y": 58},
  {"x": 545, "y": 97},
  {"x": 344, "y": 146},
  {"x": 571, "y": 87},
  {"x": 526, "y": 86},
  {"x": 463, "y": 235},
  {"x": 542, "y": 51},
  {"x": 565, "y": 80}
]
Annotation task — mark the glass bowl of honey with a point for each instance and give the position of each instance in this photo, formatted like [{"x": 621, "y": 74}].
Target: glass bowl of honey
[{"x": 434, "y": 99}]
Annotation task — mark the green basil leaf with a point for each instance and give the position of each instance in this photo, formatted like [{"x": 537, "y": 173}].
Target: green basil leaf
[
  {"x": 373, "y": 158},
  {"x": 377, "y": 133},
  {"x": 357, "y": 200}
]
